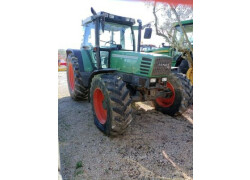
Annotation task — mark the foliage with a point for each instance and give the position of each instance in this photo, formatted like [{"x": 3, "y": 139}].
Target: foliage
[
  {"x": 78, "y": 164},
  {"x": 165, "y": 17}
]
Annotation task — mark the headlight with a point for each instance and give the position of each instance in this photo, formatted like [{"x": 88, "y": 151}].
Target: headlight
[
  {"x": 152, "y": 80},
  {"x": 164, "y": 79},
  {"x": 127, "y": 19}
]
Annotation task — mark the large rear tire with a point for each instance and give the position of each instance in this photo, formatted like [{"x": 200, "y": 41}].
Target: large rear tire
[
  {"x": 183, "y": 67},
  {"x": 179, "y": 100},
  {"x": 76, "y": 89},
  {"x": 187, "y": 87},
  {"x": 111, "y": 104}
]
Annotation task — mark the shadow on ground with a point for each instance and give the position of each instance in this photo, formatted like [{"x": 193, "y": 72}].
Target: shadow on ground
[{"x": 138, "y": 154}]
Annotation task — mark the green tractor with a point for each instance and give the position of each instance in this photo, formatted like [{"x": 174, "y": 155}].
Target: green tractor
[
  {"x": 181, "y": 63},
  {"x": 109, "y": 72}
]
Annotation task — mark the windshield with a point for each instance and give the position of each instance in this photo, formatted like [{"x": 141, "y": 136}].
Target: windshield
[
  {"x": 113, "y": 35},
  {"x": 116, "y": 34},
  {"x": 180, "y": 36}
]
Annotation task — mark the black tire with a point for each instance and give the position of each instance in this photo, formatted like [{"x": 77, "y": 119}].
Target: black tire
[
  {"x": 187, "y": 88},
  {"x": 78, "y": 91},
  {"x": 182, "y": 96},
  {"x": 116, "y": 101},
  {"x": 183, "y": 67}
]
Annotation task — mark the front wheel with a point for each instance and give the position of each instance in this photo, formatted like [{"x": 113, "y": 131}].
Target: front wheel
[
  {"x": 178, "y": 100},
  {"x": 111, "y": 104}
]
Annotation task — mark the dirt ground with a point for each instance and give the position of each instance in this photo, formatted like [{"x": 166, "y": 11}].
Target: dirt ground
[{"x": 155, "y": 146}]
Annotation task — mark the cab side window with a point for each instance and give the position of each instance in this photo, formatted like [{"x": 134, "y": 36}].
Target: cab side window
[{"x": 88, "y": 35}]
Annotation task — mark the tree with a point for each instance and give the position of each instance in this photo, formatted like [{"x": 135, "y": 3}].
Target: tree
[{"x": 166, "y": 14}]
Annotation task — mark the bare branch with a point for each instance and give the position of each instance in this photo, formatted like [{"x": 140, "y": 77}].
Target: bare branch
[
  {"x": 183, "y": 30},
  {"x": 158, "y": 10},
  {"x": 190, "y": 59},
  {"x": 156, "y": 25}
]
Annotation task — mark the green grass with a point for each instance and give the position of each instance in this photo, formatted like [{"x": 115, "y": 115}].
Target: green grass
[
  {"x": 79, "y": 172},
  {"x": 79, "y": 169},
  {"x": 78, "y": 164}
]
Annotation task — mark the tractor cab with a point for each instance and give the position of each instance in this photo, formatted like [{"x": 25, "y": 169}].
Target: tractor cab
[
  {"x": 103, "y": 33},
  {"x": 112, "y": 32},
  {"x": 183, "y": 55},
  {"x": 179, "y": 35}
]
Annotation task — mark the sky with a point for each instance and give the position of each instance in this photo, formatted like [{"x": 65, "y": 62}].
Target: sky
[{"x": 71, "y": 15}]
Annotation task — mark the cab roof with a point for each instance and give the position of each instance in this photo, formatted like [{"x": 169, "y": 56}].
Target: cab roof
[
  {"x": 110, "y": 18},
  {"x": 187, "y": 22}
]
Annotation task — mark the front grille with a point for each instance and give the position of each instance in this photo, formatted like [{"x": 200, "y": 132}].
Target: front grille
[
  {"x": 162, "y": 66},
  {"x": 145, "y": 65}
]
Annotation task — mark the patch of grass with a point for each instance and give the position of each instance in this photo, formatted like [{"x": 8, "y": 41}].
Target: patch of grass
[
  {"x": 79, "y": 172},
  {"x": 78, "y": 164}
]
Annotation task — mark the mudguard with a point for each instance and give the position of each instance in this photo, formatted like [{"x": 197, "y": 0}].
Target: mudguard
[
  {"x": 77, "y": 53},
  {"x": 100, "y": 71},
  {"x": 87, "y": 76}
]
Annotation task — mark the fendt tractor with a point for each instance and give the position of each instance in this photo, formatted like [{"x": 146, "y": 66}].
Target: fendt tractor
[
  {"x": 181, "y": 62},
  {"x": 109, "y": 72}
]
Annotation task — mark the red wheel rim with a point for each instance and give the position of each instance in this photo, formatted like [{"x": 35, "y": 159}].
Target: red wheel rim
[
  {"x": 167, "y": 102},
  {"x": 71, "y": 76},
  {"x": 100, "y": 112}
]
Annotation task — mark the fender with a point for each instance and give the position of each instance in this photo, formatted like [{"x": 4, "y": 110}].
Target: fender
[
  {"x": 95, "y": 72},
  {"x": 100, "y": 71},
  {"x": 77, "y": 53},
  {"x": 87, "y": 75}
]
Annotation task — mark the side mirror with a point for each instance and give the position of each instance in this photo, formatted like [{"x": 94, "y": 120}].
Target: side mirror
[{"x": 147, "y": 33}]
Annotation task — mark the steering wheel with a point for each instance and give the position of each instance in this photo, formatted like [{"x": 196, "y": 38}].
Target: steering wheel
[{"x": 110, "y": 42}]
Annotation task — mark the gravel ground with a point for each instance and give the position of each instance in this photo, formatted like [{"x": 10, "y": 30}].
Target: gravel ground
[{"x": 155, "y": 146}]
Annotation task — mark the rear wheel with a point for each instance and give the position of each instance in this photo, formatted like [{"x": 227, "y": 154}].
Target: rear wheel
[
  {"x": 111, "y": 104},
  {"x": 183, "y": 67},
  {"x": 186, "y": 87},
  {"x": 76, "y": 89},
  {"x": 178, "y": 100}
]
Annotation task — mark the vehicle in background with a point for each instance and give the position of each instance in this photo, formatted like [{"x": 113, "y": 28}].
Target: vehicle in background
[
  {"x": 180, "y": 49},
  {"x": 147, "y": 47}
]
